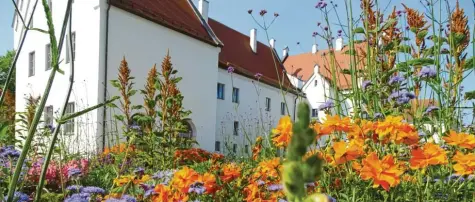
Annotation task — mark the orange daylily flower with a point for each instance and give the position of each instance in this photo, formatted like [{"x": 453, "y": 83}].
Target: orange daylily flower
[
  {"x": 394, "y": 129},
  {"x": 164, "y": 193},
  {"x": 465, "y": 163},
  {"x": 183, "y": 178},
  {"x": 257, "y": 148},
  {"x": 384, "y": 173},
  {"x": 209, "y": 181},
  {"x": 462, "y": 140},
  {"x": 337, "y": 124},
  {"x": 344, "y": 152},
  {"x": 283, "y": 132},
  {"x": 431, "y": 154},
  {"x": 230, "y": 172},
  {"x": 361, "y": 129}
]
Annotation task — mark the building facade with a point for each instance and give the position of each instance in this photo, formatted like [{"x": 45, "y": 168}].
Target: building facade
[{"x": 225, "y": 104}]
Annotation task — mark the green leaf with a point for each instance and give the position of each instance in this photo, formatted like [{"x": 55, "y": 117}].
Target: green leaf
[
  {"x": 359, "y": 30},
  {"x": 421, "y": 62},
  {"x": 421, "y": 35},
  {"x": 404, "y": 49},
  {"x": 468, "y": 63},
  {"x": 470, "y": 95},
  {"x": 115, "y": 83},
  {"x": 119, "y": 117},
  {"x": 137, "y": 107},
  {"x": 388, "y": 24}
]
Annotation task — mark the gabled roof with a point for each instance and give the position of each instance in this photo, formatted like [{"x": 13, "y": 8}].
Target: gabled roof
[
  {"x": 302, "y": 65},
  {"x": 178, "y": 15},
  {"x": 237, "y": 53}
]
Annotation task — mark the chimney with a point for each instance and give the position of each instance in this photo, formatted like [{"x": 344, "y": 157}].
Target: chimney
[
  {"x": 272, "y": 43},
  {"x": 314, "y": 49},
  {"x": 339, "y": 44},
  {"x": 203, "y": 8},
  {"x": 253, "y": 40},
  {"x": 285, "y": 52}
]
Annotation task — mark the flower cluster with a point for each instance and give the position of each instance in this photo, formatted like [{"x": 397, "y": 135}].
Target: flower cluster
[{"x": 195, "y": 155}]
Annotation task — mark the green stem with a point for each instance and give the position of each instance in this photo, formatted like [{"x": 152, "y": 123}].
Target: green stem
[{"x": 31, "y": 131}]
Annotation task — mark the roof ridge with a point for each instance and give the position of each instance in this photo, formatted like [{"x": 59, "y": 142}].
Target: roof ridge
[{"x": 237, "y": 31}]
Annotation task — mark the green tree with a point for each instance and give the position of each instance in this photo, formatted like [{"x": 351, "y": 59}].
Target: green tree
[{"x": 5, "y": 62}]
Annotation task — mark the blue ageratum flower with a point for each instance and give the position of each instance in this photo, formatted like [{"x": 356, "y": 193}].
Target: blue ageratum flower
[
  {"x": 396, "y": 80},
  {"x": 80, "y": 197},
  {"x": 74, "y": 172},
  {"x": 326, "y": 105},
  {"x": 9, "y": 152},
  {"x": 378, "y": 115},
  {"x": 74, "y": 188},
  {"x": 197, "y": 187},
  {"x": 19, "y": 197},
  {"x": 93, "y": 190},
  {"x": 124, "y": 198},
  {"x": 366, "y": 84},
  {"x": 275, "y": 187},
  {"x": 165, "y": 176}
]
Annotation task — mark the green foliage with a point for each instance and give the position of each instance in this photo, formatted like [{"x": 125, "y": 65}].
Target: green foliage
[
  {"x": 5, "y": 63},
  {"x": 297, "y": 171}
]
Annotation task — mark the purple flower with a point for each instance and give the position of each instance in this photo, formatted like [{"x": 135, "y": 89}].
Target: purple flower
[
  {"x": 431, "y": 109},
  {"x": 249, "y": 11},
  {"x": 19, "y": 197},
  {"x": 378, "y": 115},
  {"x": 230, "y": 69},
  {"x": 366, "y": 84},
  {"x": 325, "y": 28},
  {"x": 396, "y": 79},
  {"x": 326, "y": 105},
  {"x": 139, "y": 171},
  {"x": 197, "y": 187},
  {"x": 74, "y": 188},
  {"x": 263, "y": 12},
  {"x": 124, "y": 198},
  {"x": 258, "y": 75},
  {"x": 275, "y": 187},
  {"x": 81, "y": 197},
  {"x": 401, "y": 97},
  {"x": 74, "y": 172},
  {"x": 339, "y": 31},
  {"x": 93, "y": 190},
  {"x": 9, "y": 152},
  {"x": 318, "y": 24},
  {"x": 427, "y": 72},
  {"x": 260, "y": 182},
  {"x": 309, "y": 184}
]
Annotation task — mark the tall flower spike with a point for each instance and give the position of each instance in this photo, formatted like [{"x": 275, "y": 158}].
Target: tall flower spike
[
  {"x": 125, "y": 85},
  {"x": 150, "y": 92},
  {"x": 416, "y": 22},
  {"x": 459, "y": 25}
]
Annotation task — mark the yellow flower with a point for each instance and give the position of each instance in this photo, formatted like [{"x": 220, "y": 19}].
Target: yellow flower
[{"x": 283, "y": 132}]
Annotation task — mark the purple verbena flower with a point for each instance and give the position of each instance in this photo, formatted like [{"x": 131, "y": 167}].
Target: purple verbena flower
[
  {"x": 431, "y": 109},
  {"x": 427, "y": 72},
  {"x": 396, "y": 80},
  {"x": 260, "y": 182},
  {"x": 326, "y": 105},
  {"x": 258, "y": 75},
  {"x": 366, "y": 84},
  {"x": 401, "y": 97},
  {"x": 139, "y": 171},
  {"x": 9, "y": 152},
  {"x": 230, "y": 69}
]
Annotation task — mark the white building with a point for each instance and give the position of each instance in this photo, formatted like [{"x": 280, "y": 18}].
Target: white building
[
  {"x": 311, "y": 72},
  {"x": 227, "y": 108}
]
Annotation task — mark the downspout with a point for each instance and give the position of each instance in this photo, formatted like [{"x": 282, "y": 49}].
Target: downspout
[
  {"x": 104, "y": 109},
  {"x": 295, "y": 106}
]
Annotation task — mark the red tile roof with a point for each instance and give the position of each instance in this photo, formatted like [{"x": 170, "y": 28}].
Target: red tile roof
[
  {"x": 302, "y": 65},
  {"x": 178, "y": 15},
  {"x": 237, "y": 53}
]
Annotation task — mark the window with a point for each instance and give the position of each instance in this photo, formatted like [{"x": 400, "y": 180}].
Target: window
[
  {"x": 314, "y": 112},
  {"x": 48, "y": 56},
  {"x": 315, "y": 83},
  {"x": 267, "y": 104},
  {"x": 217, "y": 146},
  {"x": 48, "y": 116},
  {"x": 236, "y": 95},
  {"x": 221, "y": 91},
  {"x": 69, "y": 125},
  {"x": 73, "y": 39},
  {"x": 234, "y": 148},
  {"x": 282, "y": 108},
  {"x": 246, "y": 149},
  {"x": 236, "y": 128},
  {"x": 31, "y": 66}
]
